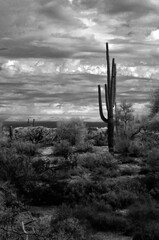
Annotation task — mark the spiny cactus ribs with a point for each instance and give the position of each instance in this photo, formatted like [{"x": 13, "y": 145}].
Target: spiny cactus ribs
[{"x": 110, "y": 97}]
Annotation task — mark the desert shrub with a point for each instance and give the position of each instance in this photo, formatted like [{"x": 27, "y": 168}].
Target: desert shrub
[
  {"x": 100, "y": 165},
  {"x": 101, "y": 206},
  {"x": 128, "y": 147},
  {"x": 143, "y": 211},
  {"x": 126, "y": 159},
  {"x": 144, "y": 170},
  {"x": 129, "y": 170},
  {"x": 84, "y": 147},
  {"x": 153, "y": 159},
  {"x": 101, "y": 140},
  {"x": 40, "y": 165},
  {"x": 18, "y": 170},
  {"x": 98, "y": 136},
  {"x": 69, "y": 228},
  {"x": 8, "y": 196},
  {"x": 100, "y": 216},
  {"x": 144, "y": 217},
  {"x": 62, "y": 148},
  {"x": 122, "y": 145},
  {"x": 65, "y": 225},
  {"x": 125, "y": 183},
  {"x": 107, "y": 222},
  {"x": 121, "y": 199},
  {"x": 126, "y": 198},
  {"x": 96, "y": 160},
  {"x": 5, "y": 143},
  {"x": 77, "y": 192},
  {"x": 27, "y": 148},
  {"x": 8, "y": 227},
  {"x": 150, "y": 140},
  {"x": 152, "y": 177},
  {"x": 73, "y": 130},
  {"x": 63, "y": 212},
  {"x": 13, "y": 166},
  {"x": 136, "y": 149},
  {"x": 150, "y": 231}
]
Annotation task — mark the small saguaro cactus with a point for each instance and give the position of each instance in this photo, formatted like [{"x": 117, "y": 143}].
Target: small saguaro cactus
[
  {"x": 11, "y": 134},
  {"x": 110, "y": 97},
  {"x": 33, "y": 122}
]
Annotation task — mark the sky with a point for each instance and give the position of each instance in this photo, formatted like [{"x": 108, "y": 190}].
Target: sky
[{"x": 52, "y": 55}]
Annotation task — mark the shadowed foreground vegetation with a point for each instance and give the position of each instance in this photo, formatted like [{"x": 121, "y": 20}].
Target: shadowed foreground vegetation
[{"x": 67, "y": 185}]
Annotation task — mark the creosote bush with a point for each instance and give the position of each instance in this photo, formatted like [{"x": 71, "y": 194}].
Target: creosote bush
[
  {"x": 136, "y": 148},
  {"x": 120, "y": 199},
  {"x": 62, "y": 148},
  {"x": 93, "y": 161},
  {"x": 27, "y": 148},
  {"x": 73, "y": 130},
  {"x": 65, "y": 225},
  {"x": 84, "y": 147},
  {"x": 122, "y": 145},
  {"x": 101, "y": 219},
  {"x": 144, "y": 217},
  {"x": 128, "y": 147},
  {"x": 153, "y": 159}
]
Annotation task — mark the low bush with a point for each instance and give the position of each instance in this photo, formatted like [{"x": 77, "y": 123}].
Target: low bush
[
  {"x": 129, "y": 169},
  {"x": 100, "y": 217},
  {"x": 69, "y": 228},
  {"x": 62, "y": 148},
  {"x": 142, "y": 212},
  {"x": 13, "y": 166},
  {"x": 65, "y": 225},
  {"x": 5, "y": 142},
  {"x": 121, "y": 199},
  {"x": 98, "y": 136},
  {"x": 93, "y": 161},
  {"x": 125, "y": 183},
  {"x": 78, "y": 192},
  {"x": 122, "y": 145},
  {"x": 84, "y": 147},
  {"x": 151, "y": 179},
  {"x": 136, "y": 149},
  {"x": 108, "y": 222},
  {"x": 144, "y": 217},
  {"x": 153, "y": 159},
  {"x": 27, "y": 148},
  {"x": 150, "y": 231},
  {"x": 101, "y": 206}
]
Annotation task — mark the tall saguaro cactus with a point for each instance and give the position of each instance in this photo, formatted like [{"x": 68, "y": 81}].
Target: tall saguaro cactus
[{"x": 110, "y": 96}]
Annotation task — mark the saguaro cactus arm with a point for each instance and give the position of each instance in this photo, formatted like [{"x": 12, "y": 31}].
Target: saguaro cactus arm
[
  {"x": 106, "y": 97},
  {"x": 113, "y": 83},
  {"x": 100, "y": 105},
  {"x": 108, "y": 67}
]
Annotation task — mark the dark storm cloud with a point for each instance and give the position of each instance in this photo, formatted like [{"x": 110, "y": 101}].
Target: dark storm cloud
[
  {"x": 63, "y": 46},
  {"x": 119, "y": 6},
  {"x": 128, "y": 6},
  {"x": 62, "y": 91},
  {"x": 61, "y": 12},
  {"x": 29, "y": 51}
]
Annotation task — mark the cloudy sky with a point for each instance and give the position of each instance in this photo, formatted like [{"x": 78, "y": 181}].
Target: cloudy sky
[{"x": 52, "y": 55}]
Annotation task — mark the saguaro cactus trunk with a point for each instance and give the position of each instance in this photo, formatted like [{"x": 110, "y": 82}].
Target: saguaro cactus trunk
[{"x": 110, "y": 96}]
